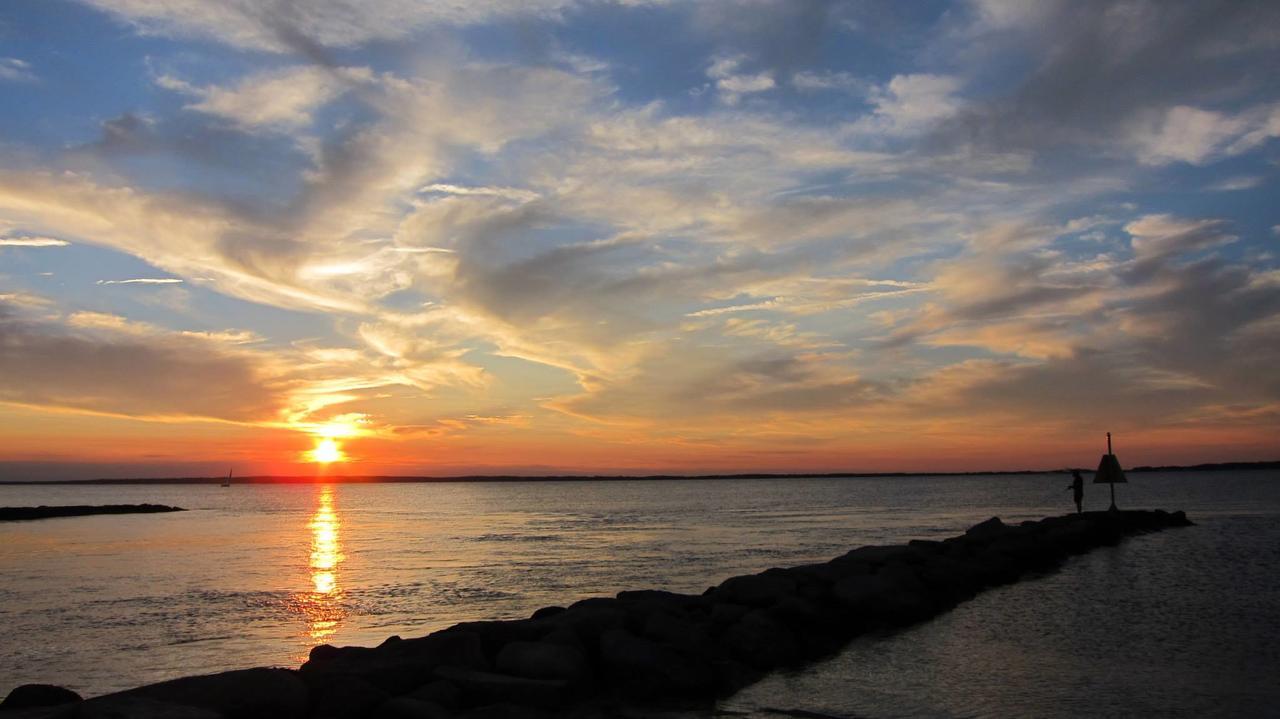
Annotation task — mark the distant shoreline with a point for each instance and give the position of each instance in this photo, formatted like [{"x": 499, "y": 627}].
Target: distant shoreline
[{"x": 392, "y": 479}]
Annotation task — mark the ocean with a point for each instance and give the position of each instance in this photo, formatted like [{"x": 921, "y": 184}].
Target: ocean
[{"x": 1179, "y": 623}]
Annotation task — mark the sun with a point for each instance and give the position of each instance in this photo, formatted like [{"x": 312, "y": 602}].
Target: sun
[{"x": 327, "y": 451}]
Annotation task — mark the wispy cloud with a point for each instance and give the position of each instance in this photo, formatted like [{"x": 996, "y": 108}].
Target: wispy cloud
[
  {"x": 143, "y": 281},
  {"x": 32, "y": 242},
  {"x": 13, "y": 69}
]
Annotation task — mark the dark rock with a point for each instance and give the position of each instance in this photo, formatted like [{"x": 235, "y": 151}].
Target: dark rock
[
  {"x": 481, "y": 688},
  {"x": 724, "y": 616},
  {"x": 244, "y": 694},
  {"x": 541, "y": 660},
  {"x": 410, "y": 708},
  {"x": 644, "y": 668},
  {"x": 547, "y": 612},
  {"x": 505, "y": 711},
  {"x": 441, "y": 692},
  {"x": 756, "y": 590},
  {"x": 761, "y": 642},
  {"x": 400, "y": 666},
  {"x": 341, "y": 695},
  {"x": 991, "y": 528},
  {"x": 677, "y": 631},
  {"x": 38, "y": 695},
  {"x": 138, "y": 707}
]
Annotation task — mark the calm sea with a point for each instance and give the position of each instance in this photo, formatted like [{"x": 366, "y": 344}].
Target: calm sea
[{"x": 1183, "y": 623}]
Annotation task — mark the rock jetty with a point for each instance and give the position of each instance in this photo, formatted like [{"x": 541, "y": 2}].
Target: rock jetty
[
  {"x": 13, "y": 514},
  {"x": 635, "y": 654}
]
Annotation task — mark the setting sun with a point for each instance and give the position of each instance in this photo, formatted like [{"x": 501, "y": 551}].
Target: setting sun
[{"x": 326, "y": 451}]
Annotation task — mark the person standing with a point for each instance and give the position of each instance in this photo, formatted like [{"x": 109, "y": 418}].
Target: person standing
[{"x": 1077, "y": 490}]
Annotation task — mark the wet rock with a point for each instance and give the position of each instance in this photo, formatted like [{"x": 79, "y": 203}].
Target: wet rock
[
  {"x": 547, "y": 612},
  {"x": 541, "y": 660},
  {"x": 38, "y": 695}
]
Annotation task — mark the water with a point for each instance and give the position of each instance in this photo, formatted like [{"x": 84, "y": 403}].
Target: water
[{"x": 1182, "y": 622}]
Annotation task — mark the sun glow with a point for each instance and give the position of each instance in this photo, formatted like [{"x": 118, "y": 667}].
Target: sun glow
[{"x": 327, "y": 451}]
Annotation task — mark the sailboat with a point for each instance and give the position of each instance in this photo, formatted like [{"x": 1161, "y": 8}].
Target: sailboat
[
  {"x": 228, "y": 482},
  {"x": 1109, "y": 472}
]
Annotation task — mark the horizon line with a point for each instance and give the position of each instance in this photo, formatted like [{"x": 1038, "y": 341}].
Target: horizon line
[{"x": 424, "y": 479}]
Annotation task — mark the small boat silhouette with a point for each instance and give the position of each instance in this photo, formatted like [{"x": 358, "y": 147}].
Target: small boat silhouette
[{"x": 228, "y": 482}]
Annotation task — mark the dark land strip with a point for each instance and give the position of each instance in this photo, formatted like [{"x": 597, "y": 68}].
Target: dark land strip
[
  {"x": 15, "y": 514},
  {"x": 633, "y": 655}
]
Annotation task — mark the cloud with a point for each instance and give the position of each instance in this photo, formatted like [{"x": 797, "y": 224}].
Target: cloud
[
  {"x": 909, "y": 104},
  {"x": 279, "y": 99},
  {"x": 309, "y": 27},
  {"x": 143, "y": 281},
  {"x": 732, "y": 84},
  {"x": 1233, "y": 184},
  {"x": 32, "y": 242},
  {"x": 14, "y": 70},
  {"x": 96, "y": 365},
  {"x": 1164, "y": 82},
  {"x": 1185, "y": 134}
]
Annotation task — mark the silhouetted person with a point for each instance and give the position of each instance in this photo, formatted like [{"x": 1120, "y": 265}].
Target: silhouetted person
[{"x": 1077, "y": 490}]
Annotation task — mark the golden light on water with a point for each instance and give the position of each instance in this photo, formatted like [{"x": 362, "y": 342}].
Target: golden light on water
[
  {"x": 325, "y": 552},
  {"x": 322, "y": 606}
]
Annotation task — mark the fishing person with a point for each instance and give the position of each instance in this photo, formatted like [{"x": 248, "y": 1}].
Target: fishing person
[{"x": 1077, "y": 490}]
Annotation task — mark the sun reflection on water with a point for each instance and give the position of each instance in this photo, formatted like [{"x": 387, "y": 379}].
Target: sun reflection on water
[{"x": 323, "y": 606}]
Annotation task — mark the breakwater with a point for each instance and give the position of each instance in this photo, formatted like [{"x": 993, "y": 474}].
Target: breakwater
[
  {"x": 14, "y": 514},
  {"x": 637, "y": 652}
]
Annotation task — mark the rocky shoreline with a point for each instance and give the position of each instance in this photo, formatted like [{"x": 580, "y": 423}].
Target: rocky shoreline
[
  {"x": 635, "y": 654},
  {"x": 17, "y": 514}
]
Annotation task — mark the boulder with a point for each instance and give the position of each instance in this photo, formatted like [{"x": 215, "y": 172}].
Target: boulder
[
  {"x": 441, "y": 692},
  {"x": 985, "y": 530},
  {"x": 761, "y": 642},
  {"x": 139, "y": 707},
  {"x": 677, "y": 631},
  {"x": 644, "y": 668},
  {"x": 506, "y": 710},
  {"x": 409, "y": 708},
  {"x": 483, "y": 688},
  {"x": 342, "y": 695},
  {"x": 260, "y": 693},
  {"x": 401, "y": 666},
  {"x": 542, "y": 660},
  {"x": 755, "y": 590},
  {"x": 38, "y": 695}
]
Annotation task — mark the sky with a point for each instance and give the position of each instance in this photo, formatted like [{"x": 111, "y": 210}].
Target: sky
[{"x": 580, "y": 236}]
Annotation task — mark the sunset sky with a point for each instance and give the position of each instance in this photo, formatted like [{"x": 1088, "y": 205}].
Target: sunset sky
[{"x": 545, "y": 236}]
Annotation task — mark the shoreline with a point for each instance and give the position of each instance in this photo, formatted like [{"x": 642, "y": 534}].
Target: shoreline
[
  {"x": 641, "y": 650},
  {"x": 413, "y": 479}
]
